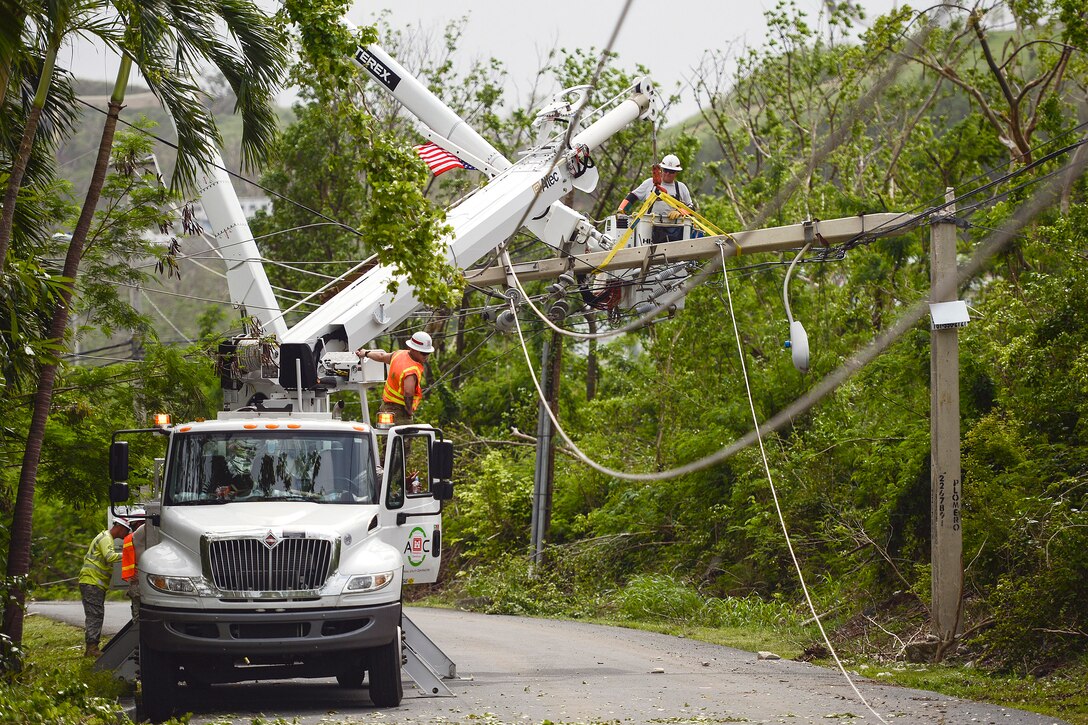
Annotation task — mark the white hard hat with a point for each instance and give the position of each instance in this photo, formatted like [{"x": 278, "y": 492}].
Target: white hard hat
[
  {"x": 421, "y": 341},
  {"x": 671, "y": 163},
  {"x": 118, "y": 521}
]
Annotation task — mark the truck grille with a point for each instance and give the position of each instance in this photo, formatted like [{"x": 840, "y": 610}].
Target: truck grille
[{"x": 251, "y": 565}]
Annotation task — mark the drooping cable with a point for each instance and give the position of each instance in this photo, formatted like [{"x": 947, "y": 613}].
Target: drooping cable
[
  {"x": 162, "y": 314},
  {"x": 787, "y": 416},
  {"x": 774, "y": 490},
  {"x": 785, "y": 283}
]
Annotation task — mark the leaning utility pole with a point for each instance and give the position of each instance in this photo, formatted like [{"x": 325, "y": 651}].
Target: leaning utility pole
[
  {"x": 946, "y": 494},
  {"x": 544, "y": 474}
]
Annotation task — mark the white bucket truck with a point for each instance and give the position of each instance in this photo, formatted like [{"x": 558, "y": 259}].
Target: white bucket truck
[{"x": 279, "y": 547}]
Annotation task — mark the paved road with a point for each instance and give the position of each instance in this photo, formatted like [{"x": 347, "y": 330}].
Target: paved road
[{"x": 519, "y": 670}]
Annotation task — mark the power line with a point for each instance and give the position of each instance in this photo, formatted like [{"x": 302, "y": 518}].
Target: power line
[
  {"x": 179, "y": 294},
  {"x": 205, "y": 162},
  {"x": 991, "y": 246},
  {"x": 163, "y": 316},
  {"x": 938, "y": 208}
]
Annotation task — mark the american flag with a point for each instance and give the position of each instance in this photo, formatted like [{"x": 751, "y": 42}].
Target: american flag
[{"x": 439, "y": 160}]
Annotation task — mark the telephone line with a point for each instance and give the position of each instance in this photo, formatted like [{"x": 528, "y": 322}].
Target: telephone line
[{"x": 270, "y": 192}]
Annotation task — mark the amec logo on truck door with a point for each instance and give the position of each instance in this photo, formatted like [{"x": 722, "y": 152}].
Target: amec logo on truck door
[{"x": 418, "y": 546}]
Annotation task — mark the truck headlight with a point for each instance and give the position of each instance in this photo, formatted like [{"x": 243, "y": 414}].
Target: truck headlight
[
  {"x": 369, "y": 582},
  {"x": 171, "y": 584}
]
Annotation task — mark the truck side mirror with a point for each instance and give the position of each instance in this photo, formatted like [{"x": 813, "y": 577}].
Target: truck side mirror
[
  {"x": 442, "y": 470},
  {"x": 442, "y": 460},
  {"x": 118, "y": 492},
  {"x": 119, "y": 461}
]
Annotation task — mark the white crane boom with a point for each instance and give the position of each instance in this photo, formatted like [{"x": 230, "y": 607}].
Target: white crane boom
[
  {"x": 432, "y": 112},
  {"x": 521, "y": 195},
  {"x": 247, "y": 282}
]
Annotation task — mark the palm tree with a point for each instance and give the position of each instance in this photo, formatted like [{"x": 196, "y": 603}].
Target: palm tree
[
  {"x": 57, "y": 20},
  {"x": 12, "y": 18},
  {"x": 160, "y": 37}
]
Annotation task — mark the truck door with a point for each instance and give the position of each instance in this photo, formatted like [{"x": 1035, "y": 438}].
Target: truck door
[{"x": 411, "y": 516}]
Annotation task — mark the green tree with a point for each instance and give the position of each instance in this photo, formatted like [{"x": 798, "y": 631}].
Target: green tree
[
  {"x": 769, "y": 120},
  {"x": 12, "y": 19},
  {"x": 155, "y": 39},
  {"x": 364, "y": 198},
  {"x": 133, "y": 206},
  {"x": 28, "y": 289},
  {"x": 1018, "y": 91},
  {"x": 57, "y": 20}
]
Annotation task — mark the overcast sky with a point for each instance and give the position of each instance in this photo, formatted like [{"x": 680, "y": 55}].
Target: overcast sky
[{"x": 669, "y": 38}]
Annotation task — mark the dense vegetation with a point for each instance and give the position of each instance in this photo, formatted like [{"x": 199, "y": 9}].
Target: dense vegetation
[{"x": 811, "y": 125}]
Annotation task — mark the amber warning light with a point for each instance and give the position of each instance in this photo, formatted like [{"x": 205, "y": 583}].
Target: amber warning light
[
  {"x": 162, "y": 420},
  {"x": 385, "y": 418}
]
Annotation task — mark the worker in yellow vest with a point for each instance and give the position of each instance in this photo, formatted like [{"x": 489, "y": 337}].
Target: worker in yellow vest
[
  {"x": 94, "y": 580},
  {"x": 404, "y": 384}
]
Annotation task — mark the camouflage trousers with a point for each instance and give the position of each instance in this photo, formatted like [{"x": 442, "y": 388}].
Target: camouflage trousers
[
  {"x": 94, "y": 611},
  {"x": 400, "y": 413},
  {"x": 133, "y": 593}
]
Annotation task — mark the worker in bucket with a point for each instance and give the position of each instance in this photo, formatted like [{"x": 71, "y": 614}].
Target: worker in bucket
[
  {"x": 94, "y": 580},
  {"x": 663, "y": 180},
  {"x": 404, "y": 384}
]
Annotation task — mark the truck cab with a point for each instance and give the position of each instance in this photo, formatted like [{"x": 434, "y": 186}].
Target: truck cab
[{"x": 278, "y": 547}]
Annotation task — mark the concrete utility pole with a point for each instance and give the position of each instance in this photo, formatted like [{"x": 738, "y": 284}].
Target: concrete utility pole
[
  {"x": 754, "y": 241},
  {"x": 946, "y": 495},
  {"x": 543, "y": 475}
]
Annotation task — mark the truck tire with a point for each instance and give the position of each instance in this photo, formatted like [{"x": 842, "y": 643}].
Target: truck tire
[
  {"x": 350, "y": 677},
  {"x": 386, "y": 689},
  {"x": 158, "y": 683}
]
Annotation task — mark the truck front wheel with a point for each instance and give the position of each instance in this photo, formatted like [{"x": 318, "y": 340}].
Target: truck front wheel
[
  {"x": 158, "y": 683},
  {"x": 386, "y": 689},
  {"x": 350, "y": 675}
]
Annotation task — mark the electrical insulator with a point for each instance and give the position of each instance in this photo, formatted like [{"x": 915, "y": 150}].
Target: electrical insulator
[
  {"x": 559, "y": 310},
  {"x": 506, "y": 321}
]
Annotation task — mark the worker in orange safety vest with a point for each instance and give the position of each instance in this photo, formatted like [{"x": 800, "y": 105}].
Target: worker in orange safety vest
[
  {"x": 404, "y": 384},
  {"x": 134, "y": 543}
]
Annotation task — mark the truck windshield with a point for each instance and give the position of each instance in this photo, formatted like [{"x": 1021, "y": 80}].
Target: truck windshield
[{"x": 224, "y": 466}]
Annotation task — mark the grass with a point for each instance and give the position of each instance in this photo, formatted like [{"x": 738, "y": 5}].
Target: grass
[
  {"x": 1064, "y": 696},
  {"x": 57, "y": 685}
]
